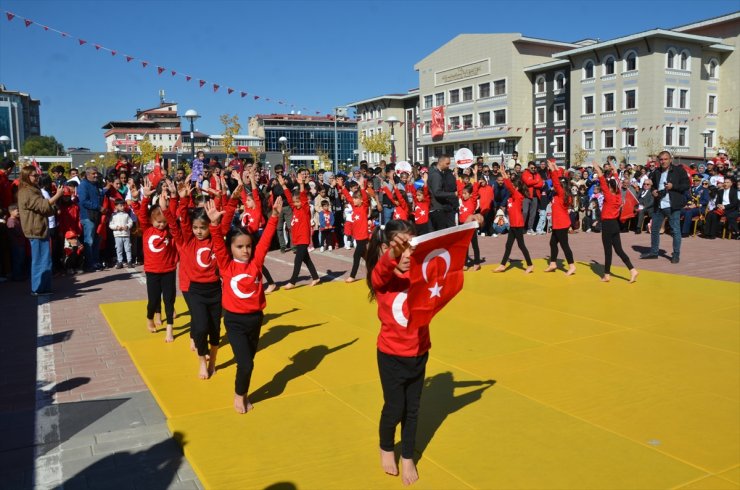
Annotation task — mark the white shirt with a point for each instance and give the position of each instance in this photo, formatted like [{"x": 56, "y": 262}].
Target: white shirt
[
  {"x": 725, "y": 197},
  {"x": 666, "y": 201},
  {"x": 53, "y": 217}
]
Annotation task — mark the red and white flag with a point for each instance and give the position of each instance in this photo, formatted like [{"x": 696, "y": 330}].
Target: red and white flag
[
  {"x": 36, "y": 165},
  {"x": 242, "y": 149},
  {"x": 438, "y": 121},
  {"x": 629, "y": 206},
  {"x": 436, "y": 271}
]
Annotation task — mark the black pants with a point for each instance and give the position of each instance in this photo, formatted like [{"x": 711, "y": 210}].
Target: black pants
[
  {"x": 441, "y": 219},
  {"x": 243, "y": 330},
  {"x": 359, "y": 254},
  {"x": 560, "y": 237},
  {"x": 423, "y": 228},
  {"x": 302, "y": 257},
  {"x": 611, "y": 240},
  {"x": 204, "y": 300},
  {"x": 186, "y": 297},
  {"x": 327, "y": 239},
  {"x": 713, "y": 225},
  {"x": 160, "y": 285},
  {"x": 476, "y": 249},
  {"x": 402, "y": 379},
  {"x": 266, "y": 274},
  {"x": 516, "y": 233}
]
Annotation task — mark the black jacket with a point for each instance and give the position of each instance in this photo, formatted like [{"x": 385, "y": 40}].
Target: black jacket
[
  {"x": 680, "y": 179},
  {"x": 733, "y": 205},
  {"x": 442, "y": 190}
]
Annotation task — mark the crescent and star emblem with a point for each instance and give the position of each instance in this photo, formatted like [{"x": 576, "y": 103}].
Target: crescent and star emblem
[
  {"x": 235, "y": 286},
  {"x": 199, "y": 257},
  {"x": 151, "y": 244},
  {"x": 444, "y": 255},
  {"x": 397, "y": 308}
]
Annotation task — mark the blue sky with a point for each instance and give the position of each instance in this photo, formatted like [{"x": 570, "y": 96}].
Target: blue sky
[{"x": 314, "y": 54}]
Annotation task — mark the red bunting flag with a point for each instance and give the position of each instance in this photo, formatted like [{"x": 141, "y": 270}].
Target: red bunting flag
[
  {"x": 267, "y": 99},
  {"x": 188, "y": 78},
  {"x": 173, "y": 72},
  {"x": 97, "y": 47},
  {"x": 129, "y": 58},
  {"x": 9, "y": 16},
  {"x": 436, "y": 273},
  {"x": 243, "y": 94},
  {"x": 526, "y": 130},
  {"x": 46, "y": 28},
  {"x": 280, "y": 102},
  {"x": 256, "y": 97},
  {"x": 160, "y": 70},
  {"x": 508, "y": 129},
  {"x": 318, "y": 112},
  {"x": 215, "y": 87},
  {"x": 144, "y": 64},
  {"x": 202, "y": 82},
  {"x": 113, "y": 52},
  {"x": 230, "y": 90},
  {"x": 28, "y": 22},
  {"x": 82, "y": 41}
]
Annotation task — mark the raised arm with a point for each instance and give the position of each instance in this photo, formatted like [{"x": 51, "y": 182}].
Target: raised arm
[{"x": 264, "y": 244}]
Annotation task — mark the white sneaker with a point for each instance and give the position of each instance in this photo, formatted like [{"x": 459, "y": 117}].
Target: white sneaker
[
  {"x": 530, "y": 232},
  {"x": 329, "y": 248},
  {"x": 541, "y": 233},
  {"x": 588, "y": 231},
  {"x": 494, "y": 235},
  {"x": 321, "y": 249}
]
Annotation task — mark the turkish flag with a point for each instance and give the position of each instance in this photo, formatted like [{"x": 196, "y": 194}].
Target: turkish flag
[
  {"x": 436, "y": 271},
  {"x": 242, "y": 149},
  {"x": 628, "y": 208},
  {"x": 438, "y": 121}
]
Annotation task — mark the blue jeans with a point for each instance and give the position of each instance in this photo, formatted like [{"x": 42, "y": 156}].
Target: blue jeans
[
  {"x": 92, "y": 243},
  {"x": 40, "y": 265},
  {"x": 688, "y": 215},
  {"x": 387, "y": 214},
  {"x": 674, "y": 220},
  {"x": 542, "y": 220}
]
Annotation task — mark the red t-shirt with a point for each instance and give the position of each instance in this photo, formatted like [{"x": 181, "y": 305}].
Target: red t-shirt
[
  {"x": 300, "y": 226},
  {"x": 359, "y": 215},
  {"x": 252, "y": 217},
  {"x": 560, "y": 213},
  {"x": 514, "y": 205},
  {"x": 160, "y": 253},
  {"x": 612, "y": 202}
]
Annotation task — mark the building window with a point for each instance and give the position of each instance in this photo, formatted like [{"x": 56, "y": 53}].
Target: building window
[
  {"x": 630, "y": 137},
  {"x": 540, "y": 148},
  {"x": 608, "y": 139},
  {"x": 484, "y": 90},
  {"x": 454, "y": 96},
  {"x": 630, "y": 61},
  {"x": 559, "y": 144},
  {"x": 467, "y": 121},
  {"x": 607, "y": 104},
  {"x": 685, "y": 60},
  {"x": 427, "y": 102},
  {"x": 540, "y": 84},
  {"x": 683, "y": 98},
  {"x": 499, "y": 116},
  {"x": 467, "y": 93},
  {"x": 588, "y": 70},
  {"x": 588, "y": 104},
  {"x": 484, "y": 119},
  {"x": 669, "y": 93},
  {"x": 668, "y": 136},
  {"x": 670, "y": 58},
  {"x": 609, "y": 65},
  {"x": 439, "y": 99},
  {"x": 559, "y": 112},
  {"x": 455, "y": 122},
  {"x": 710, "y": 138},
  {"x": 499, "y": 87},
  {"x": 712, "y": 104},
  {"x": 588, "y": 140},
  {"x": 713, "y": 69},
  {"x": 683, "y": 136},
  {"x": 425, "y": 126},
  {"x": 540, "y": 115},
  {"x": 630, "y": 99},
  {"x": 559, "y": 81}
]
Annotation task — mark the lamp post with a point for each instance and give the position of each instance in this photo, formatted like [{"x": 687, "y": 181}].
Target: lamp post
[
  {"x": 502, "y": 145},
  {"x": 4, "y": 140},
  {"x": 338, "y": 112},
  {"x": 706, "y": 134},
  {"x": 191, "y": 115},
  {"x": 283, "y": 147},
  {"x": 392, "y": 121}
]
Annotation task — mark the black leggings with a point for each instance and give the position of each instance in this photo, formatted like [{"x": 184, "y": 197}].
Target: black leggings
[
  {"x": 516, "y": 233},
  {"x": 265, "y": 272},
  {"x": 402, "y": 379},
  {"x": 560, "y": 237},
  {"x": 204, "y": 300},
  {"x": 423, "y": 228},
  {"x": 359, "y": 254},
  {"x": 476, "y": 249},
  {"x": 302, "y": 257},
  {"x": 243, "y": 330},
  {"x": 326, "y": 238},
  {"x": 161, "y": 285},
  {"x": 611, "y": 239}
]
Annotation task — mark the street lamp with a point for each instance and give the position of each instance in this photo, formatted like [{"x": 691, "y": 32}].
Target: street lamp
[
  {"x": 502, "y": 145},
  {"x": 706, "y": 134},
  {"x": 338, "y": 112},
  {"x": 13, "y": 154},
  {"x": 283, "y": 147},
  {"x": 392, "y": 121},
  {"x": 4, "y": 140},
  {"x": 191, "y": 115}
]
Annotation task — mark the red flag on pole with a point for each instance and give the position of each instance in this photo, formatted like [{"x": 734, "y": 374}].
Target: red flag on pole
[
  {"x": 629, "y": 206},
  {"x": 438, "y": 121},
  {"x": 436, "y": 271}
]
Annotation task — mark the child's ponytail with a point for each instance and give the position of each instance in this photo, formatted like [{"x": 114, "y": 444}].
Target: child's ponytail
[{"x": 382, "y": 236}]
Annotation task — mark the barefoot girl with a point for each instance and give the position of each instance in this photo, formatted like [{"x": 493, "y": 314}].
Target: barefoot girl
[
  {"x": 562, "y": 201},
  {"x": 518, "y": 189},
  {"x": 160, "y": 256},
  {"x": 361, "y": 210},
  {"x": 202, "y": 285},
  {"x": 402, "y": 351},
  {"x": 610, "y": 226},
  {"x": 252, "y": 218},
  {"x": 243, "y": 298},
  {"x": 300, "y": 230}
]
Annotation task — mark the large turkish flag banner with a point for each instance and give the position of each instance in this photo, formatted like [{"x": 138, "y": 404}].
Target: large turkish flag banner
[
  {"x": 628, "y": 208},
  {"x": 436, "y": 271},
  {"x": 438, "y": 121}
]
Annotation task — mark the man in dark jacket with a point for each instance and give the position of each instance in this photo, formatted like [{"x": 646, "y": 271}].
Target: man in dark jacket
[
  {"x": 670, "y": 183},
  {"x": 443, "y": 194}
]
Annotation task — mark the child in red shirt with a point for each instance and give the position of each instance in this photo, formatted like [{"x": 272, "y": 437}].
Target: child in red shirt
[
  {"x": 361, "y": 209},
  {"x": 561, "y": 203},
  {"x": 518, "y": 190},
  {"x": 421, "y": 206},
  {"x": 300, "y": 230},
  {"x": 243, "y": 298}
]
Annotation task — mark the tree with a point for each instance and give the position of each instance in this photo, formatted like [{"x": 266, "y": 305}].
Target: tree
[
  {"x": 324, "y": 161},
  {"x": 42, "y": 145},
  {"x": 379, "y": 143},
  {"x": 148, "y": 152},
  {"x": 652, "y": 146},
  {"x": 579, "y": 156},
  {"x": 732, "y": 147},
  {"x": 231, "y": 128}
]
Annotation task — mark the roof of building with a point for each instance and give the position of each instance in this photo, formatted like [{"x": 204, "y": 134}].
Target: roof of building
[
  {"x": 15, "y": 92},
  {"x": 159, "y": 107},
  {"x": 546, "y": 66},
  {"x": 300, "y": 117},
  {"x": 128, "y": 124},
  {"x": 712, "y": 42},
  {"x": 236, "y": 137},
  {"x": 414, "y": 93},
  {"x": 708, "y": 22},
  {"x": 549, "y": 42}
]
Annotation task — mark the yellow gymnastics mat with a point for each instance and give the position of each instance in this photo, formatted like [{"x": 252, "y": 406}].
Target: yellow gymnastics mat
[{"x": 596, "y": 386}]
